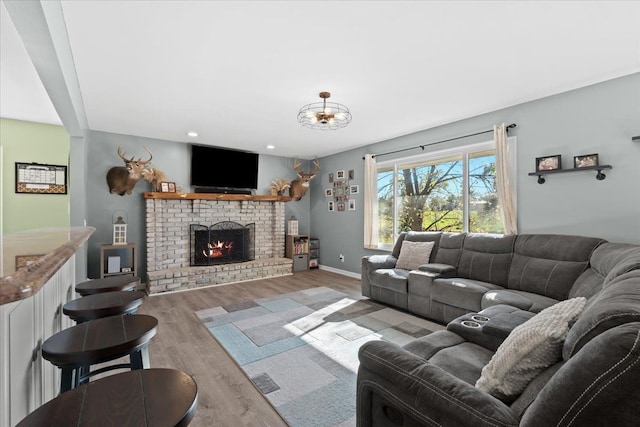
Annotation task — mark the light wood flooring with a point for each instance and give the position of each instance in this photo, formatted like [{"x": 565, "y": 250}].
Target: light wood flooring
[{"x": 226, "y": 397}]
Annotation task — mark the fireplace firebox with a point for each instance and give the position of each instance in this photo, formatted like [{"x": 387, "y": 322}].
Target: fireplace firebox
[{"x": 225, "y": 242}]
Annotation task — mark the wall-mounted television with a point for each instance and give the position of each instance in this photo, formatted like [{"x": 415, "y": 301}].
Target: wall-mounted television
[{"x": 222, "y": 170}]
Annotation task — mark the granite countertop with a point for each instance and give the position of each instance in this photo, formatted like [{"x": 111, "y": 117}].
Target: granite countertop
[{"x": 30, "y": 258}]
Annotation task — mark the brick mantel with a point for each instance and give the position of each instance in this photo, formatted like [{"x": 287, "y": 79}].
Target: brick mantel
[{"x": 168, "y": 217}]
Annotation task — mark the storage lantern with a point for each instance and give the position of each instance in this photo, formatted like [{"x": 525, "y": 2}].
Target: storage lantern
[{"x": 119, "y": 232}]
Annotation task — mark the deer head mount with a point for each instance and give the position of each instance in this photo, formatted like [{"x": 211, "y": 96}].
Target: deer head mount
[
  {"x": 122, "y": 179},
  {"x": 300, "y": 186}
]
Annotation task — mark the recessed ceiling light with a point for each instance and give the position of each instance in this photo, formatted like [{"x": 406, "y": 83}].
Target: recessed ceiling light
[
  {"x": 192, "y": 134},
  {"x": 270, "y": 147}
]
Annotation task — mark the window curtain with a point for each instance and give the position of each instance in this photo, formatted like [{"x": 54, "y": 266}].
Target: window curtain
[
  {"x": 370, "y": 202},
  {"x": 503, "y": 180}
]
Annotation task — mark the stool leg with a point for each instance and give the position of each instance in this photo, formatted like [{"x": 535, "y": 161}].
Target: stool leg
[
  {"x": 66, "y": 380},
  {"x": 140, "y": 358}
]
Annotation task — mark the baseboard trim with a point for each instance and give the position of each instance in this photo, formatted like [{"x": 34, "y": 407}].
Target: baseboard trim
[{"x": 338, "y": 271}]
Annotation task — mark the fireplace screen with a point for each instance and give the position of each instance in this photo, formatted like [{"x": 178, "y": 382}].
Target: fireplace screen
[{"x": 222, "y": 243}]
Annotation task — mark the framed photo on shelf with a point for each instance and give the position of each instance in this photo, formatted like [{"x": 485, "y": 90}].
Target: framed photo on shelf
[
  {"x": 585, "y": 161},
  {"x": 168, "y": 187},
  {"x": 549, "y": 163}
]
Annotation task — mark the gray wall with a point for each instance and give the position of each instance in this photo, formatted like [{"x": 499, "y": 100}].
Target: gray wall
[
  {"x": 171, "y": 157},
  {"x": 597, "y": 119}
]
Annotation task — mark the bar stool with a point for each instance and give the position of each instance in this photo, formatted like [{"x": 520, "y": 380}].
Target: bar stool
[
  {"x": 102, "y": 305},
  {"x": 74, "y": 350},
  {"x": 149, "y": 397},
  {"x": 123, "y": 282}
]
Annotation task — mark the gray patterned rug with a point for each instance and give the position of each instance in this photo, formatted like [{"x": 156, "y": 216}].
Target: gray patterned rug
[{"x": 300, "y": 349}]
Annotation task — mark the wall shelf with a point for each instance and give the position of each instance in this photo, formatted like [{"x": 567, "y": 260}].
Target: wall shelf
[{"x": 599, "y": 176}]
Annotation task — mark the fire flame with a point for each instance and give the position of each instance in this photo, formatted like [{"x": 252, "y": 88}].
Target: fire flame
[{"x": 218, "y": 250}]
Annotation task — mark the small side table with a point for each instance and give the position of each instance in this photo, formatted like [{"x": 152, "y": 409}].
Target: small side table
[{"x": 149, "y": 397}]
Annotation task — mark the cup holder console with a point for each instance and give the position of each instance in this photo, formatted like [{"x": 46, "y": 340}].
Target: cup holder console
[
  {"x": 480, "y": 318},
  {"x": 470, "y": 324}
]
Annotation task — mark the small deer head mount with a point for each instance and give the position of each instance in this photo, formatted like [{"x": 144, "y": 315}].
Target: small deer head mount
[
  {"x": 122, "y": 179},
  {"x": 300, "y": 186}
]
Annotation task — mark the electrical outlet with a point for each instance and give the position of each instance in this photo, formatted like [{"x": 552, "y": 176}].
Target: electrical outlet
[{"x": 341, "y": 258}]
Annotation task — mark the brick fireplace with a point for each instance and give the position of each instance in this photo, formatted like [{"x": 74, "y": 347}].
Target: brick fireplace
[{"x": 169, "y": 217}]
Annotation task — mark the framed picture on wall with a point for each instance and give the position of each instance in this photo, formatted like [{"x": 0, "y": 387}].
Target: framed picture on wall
[
  {"x": 352, "y": 205},
  {"x": 38, "y": 178},
  {"x": 340, "y": 174},
  {"x": 549, "y": 163},
  {"x": 331, "y": 206},
  {"x": 585, "y": 161},
  {"x": 328, "y": 192},
  {"x": 354, "y": 189}
]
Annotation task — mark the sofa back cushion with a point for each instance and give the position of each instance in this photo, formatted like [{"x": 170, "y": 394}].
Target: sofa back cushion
[
  {"x": 549, "y": 264},
  {"x": 486, "y": 257},
  {"x": 449, "y": 249},
  {"x": 395, "y": 252},
  {"x": 608, "y": 261},
  {"x": 618, "y": 303}
]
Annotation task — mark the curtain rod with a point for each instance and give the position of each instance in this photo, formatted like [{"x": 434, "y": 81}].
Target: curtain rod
[{"x": 511, "y": 126}]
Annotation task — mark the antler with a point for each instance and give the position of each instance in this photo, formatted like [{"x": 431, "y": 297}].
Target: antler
[
  {"x": 146, "y": 162},
  {"x": 121, "y": 154},
  {"x": 316, "y": 164},
  {"x": 296, "y": 165}
]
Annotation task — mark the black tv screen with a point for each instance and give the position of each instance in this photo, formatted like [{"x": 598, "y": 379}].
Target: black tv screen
[{"x": 222, "y": 168}]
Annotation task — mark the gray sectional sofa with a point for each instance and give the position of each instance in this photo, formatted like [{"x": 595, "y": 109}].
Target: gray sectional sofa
[
  {"x": 487, "y": 289},
  {"x": 469, "y": 272}
]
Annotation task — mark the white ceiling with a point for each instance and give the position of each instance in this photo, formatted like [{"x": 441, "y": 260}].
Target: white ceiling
[{"x": 237, "y": 72}]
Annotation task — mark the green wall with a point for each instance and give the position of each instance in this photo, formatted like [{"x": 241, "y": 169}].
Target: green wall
[{"x": 28, "y": 142}]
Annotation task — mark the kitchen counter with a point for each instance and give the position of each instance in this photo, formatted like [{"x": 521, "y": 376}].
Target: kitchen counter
[{"x": 30, "y": 258}]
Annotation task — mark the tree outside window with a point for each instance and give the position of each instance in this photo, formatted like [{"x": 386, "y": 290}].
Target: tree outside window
[{"x": 429, "y": 196}]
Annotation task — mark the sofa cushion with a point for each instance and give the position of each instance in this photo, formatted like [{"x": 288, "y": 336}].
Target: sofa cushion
[
  {"x": 414, "y": 254},
  {"x": 522, "y": 300},
  {"x": 449, "y": 248},
  {"x": 549, "y": 264},
  {"x": 462, "y": 293},
  {"x": 528, "y": 350},
  {"x": 608, "y": 261},
  {"x": 615, "y": 305},
  {"x": 454, "y": 354},
  {"x": 486, "y": 257}
]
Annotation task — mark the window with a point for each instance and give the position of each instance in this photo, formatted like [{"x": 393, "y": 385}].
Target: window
[{"x": 452, "y": 190}]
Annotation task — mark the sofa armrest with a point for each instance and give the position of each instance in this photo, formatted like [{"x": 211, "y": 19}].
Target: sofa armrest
[
  {"x": 370, "y": 264},
  {"x": 408, "y": 390},
  {"x": 375, "y": 262},
  {"x": 442, "y": 270}
]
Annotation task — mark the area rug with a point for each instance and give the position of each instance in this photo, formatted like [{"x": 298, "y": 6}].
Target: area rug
[{"x": 300, "y": 349}]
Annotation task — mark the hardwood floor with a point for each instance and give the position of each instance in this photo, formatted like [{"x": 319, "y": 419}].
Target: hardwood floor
[{"x": 226, "y": 397}]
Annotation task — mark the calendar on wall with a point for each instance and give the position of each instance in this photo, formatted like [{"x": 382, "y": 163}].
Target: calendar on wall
[{"x": 37, "y": 178}]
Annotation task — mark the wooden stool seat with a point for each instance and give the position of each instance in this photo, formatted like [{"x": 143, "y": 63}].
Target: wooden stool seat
[
  {"x": 124, "y": 282},
  {"x": 149, "y": 397},
  {"x": 102, "y": 305},
  {"x": 75, "y": 349}
]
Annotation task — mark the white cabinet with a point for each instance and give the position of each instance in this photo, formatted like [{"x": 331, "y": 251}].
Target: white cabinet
[{"x": 27, "y": 380}]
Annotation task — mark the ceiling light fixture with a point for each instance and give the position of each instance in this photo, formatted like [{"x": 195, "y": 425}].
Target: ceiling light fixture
[
  {"x": 324, "y": 115},
  {"x": 192, "y": 134}
]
